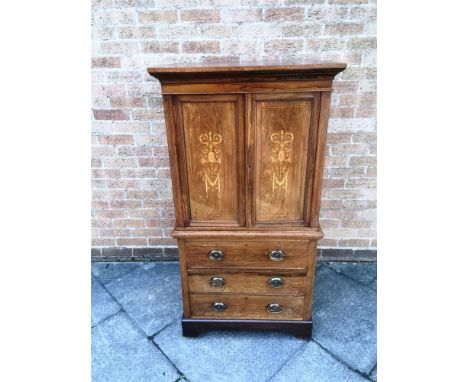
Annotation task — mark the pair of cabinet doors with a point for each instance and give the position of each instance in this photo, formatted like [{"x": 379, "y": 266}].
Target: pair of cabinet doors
[{"x": 245, "y": 160}]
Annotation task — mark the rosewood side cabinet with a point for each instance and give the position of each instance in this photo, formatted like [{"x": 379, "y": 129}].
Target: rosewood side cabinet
[{"x": 246, "y": 145}]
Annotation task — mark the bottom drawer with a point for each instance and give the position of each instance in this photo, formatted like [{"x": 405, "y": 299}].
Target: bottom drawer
[{"x": 247, "y": 307}]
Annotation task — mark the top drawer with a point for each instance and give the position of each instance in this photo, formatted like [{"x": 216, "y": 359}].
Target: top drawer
[{"x": 247, "y": 255}]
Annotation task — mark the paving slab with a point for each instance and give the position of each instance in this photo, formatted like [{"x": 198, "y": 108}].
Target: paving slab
[
  {"x": 151, "y": 295},
  {"x": 107, "y": 272},
  {"x": 313, "y": 364},
  {"x": 373, "y": 375},
  {"x": 120, "y": 353},
  {"x": 228, "y": 356},
  {"x": 102, "y": 304},
  {"x": 345, "y": 319},
  {"x": 363, "y": 273}
]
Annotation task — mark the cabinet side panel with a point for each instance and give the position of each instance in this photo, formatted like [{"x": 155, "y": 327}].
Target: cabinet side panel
[
  {"x": 310, "y": 280},
  {"x": 184, "y": 278},
  {"x": 172, "y": 139},
  {"x": 212, "y": 130},
  {"x": 282, "y": 127},
  {"x": 320, "y": 158}
]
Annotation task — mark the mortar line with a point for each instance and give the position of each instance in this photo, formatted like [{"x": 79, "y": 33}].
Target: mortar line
[
  {"x": 372, "y": 370},
  {"x": 108, "y": 317},
  {"x": 130, "y": 318},
  {"x": 151, "y": 337},
  {"x": 141, "y": 331},
  {"x": 364, "y": 375},
  {"x": 169, "y": 360},
  {"x": 124, "y": 311},
  {"x": 285, "y": 362}
]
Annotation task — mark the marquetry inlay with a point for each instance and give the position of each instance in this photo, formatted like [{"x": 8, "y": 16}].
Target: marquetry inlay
[
  {"x": 281, "y": 158},
  {"x": 246, "y": 144},
  {"x": 211, "y": 161}
]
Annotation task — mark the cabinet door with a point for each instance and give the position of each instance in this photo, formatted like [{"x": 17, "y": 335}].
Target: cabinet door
[
  {"x": 283, "y": 135},
  {"x": 211, "y": 130}
]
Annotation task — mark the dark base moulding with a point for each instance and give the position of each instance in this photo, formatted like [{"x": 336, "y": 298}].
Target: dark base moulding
[{"x": 192, "y": 327}]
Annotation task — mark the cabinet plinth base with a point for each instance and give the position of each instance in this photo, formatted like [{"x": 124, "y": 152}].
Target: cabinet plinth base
[{"x": 192, "y": 327}]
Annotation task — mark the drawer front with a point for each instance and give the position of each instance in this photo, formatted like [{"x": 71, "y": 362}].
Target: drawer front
[
  {"x": 247, "y": 307},
  {"x": 273, "y": 284},
  {"x": 248, "y": 255}
]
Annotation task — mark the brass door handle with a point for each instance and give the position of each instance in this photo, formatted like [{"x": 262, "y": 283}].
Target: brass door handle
[
  {"x": 217, "y": 281},
  {"x": 215, "y": 255},
  {"x": 276, "y": 255},
  {"x": 275, "y": 282},
  {"x": 218, "y": 306},
  {"x": 274, "y": 308}
]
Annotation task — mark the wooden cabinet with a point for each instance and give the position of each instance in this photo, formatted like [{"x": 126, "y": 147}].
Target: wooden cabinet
[{"x": 246, "y": 145}]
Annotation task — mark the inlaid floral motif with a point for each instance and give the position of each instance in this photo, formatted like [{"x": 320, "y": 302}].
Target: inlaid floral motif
[
  {"x": 211, "y": 161},
  {"x": 280, "y": 158}
]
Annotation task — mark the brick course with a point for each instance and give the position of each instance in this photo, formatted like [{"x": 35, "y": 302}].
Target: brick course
[{"x": 131, "y": 188}]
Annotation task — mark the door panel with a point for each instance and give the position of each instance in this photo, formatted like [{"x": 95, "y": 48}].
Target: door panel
[
  {"x": 212, "y": 130},
  {"x": 283, "y": 134}
]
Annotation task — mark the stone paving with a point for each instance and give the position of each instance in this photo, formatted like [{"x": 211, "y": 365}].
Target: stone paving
[{"x": 136, "y": 334}]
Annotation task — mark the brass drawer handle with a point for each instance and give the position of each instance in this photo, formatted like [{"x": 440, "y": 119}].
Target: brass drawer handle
[
  {"x": 217, "y": 281},
  {"x": 215, "y": 255},
  {"x": 276, "y": 282},
  {"x": 276, "y": 255},
  {"x": 218, "y": 306},
  {"x": 274, "y": 308}
]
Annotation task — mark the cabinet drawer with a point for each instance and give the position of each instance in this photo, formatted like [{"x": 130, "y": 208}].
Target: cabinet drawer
[
  {"x": 247, "y": 255},
  {"x": 247, "y": 307},
  {"x": 273, "y": 284}
]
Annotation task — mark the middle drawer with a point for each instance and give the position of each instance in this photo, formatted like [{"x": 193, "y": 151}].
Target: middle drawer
[{"x": 268, "y": 284}]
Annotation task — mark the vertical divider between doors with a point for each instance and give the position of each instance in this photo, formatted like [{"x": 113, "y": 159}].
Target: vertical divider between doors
[
  {"x": 241, "y": 165},
  {"x": 249, "y": 162}
]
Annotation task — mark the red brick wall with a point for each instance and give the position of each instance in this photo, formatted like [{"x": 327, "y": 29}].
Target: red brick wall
[{"x": 132, "y": 205}]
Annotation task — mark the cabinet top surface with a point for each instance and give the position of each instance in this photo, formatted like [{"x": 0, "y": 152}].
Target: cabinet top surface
[{"x": 252, "y": 67}]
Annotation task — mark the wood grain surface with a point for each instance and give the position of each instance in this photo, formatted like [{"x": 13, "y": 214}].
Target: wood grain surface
[
  {"x": 261, "y": 66},
  {"x": 212, "y": 132},
  {"x": 282, "y": 124},
  {"x": 247, "y": 283},
  {"x": 247, "y": 255},
  {"x": 247, "y": 145},
  {"x": 250, "y": 306}
]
